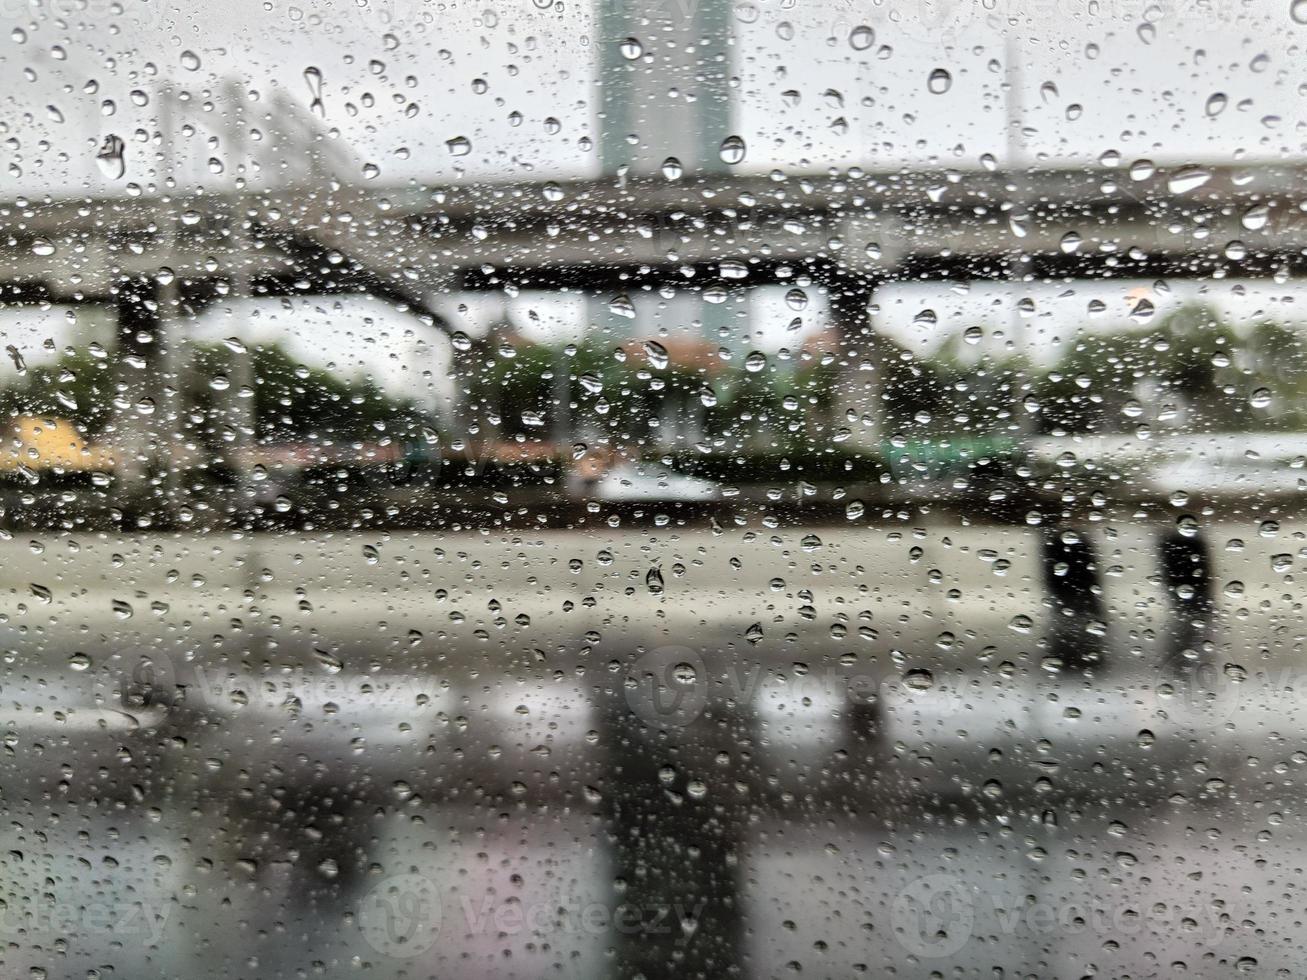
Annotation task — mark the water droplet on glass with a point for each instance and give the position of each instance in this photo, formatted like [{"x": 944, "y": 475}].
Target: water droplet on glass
[
  {"x": 459, "y": 146},
  {"x": 1188, "y": 179},
  {"x": 1216, "y": 103},
  {"x": 919, "y": 679},
  {"x": 939, "y": 82},
  {"x": 313, "y": 79},
  {"x": 630, "y": 48},
  {"x": 190, "y": 60},
  {"x": 1255, "y": 218},
  {"x": 657, "y": 353},
  {"x": 861, "y": 38},
  {"x": 732, "y": 150}
]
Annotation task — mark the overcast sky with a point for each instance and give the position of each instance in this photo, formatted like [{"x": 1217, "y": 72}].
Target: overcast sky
[
  {"x": 1143, "y": 75},
  {"x": 1168, "y": 80}
]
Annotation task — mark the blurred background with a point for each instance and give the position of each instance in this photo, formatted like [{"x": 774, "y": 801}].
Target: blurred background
[{"x": 693, "y": 488}]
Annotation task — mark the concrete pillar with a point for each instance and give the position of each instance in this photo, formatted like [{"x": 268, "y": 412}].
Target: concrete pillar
[
  {"x": 146, "y": 431},
  {"x": 862, "y": 381},
  {"x": 674, "y": 94}
]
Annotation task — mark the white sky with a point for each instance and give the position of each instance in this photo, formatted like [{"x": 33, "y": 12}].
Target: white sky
[
  {"x": 1141, "y": 71},
  {"x": 1139, "y": 98}
]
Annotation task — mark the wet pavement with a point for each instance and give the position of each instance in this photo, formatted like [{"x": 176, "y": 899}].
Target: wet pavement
[{"x": 816, "y": 751}]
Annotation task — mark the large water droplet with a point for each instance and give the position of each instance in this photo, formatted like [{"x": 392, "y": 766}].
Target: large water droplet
[
  {"x": 733, "y": 150},
  {"x": 939, "y": 82},
  {"x": 657, "y": 353},
  {"x": 861, "y": 38},
  {"x": 622, "y": 306},
  {"x": 1188, "y": 179}
]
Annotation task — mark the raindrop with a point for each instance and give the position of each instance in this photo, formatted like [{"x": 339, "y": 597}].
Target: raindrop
[
  {"x": 939, "y": 82},
  {"x": 672, "y": 168},
  {"x": 656, "y": 353},
  {"x": 313, "y": 79},
  {"x": 1188, "y": 179},
  {"x": 1216, "y": 102},
  {"x": 755, "y": 362},
  {"x": 621, "y": 305},
  {"x": 459, "y": 146},
  {"x": 1255, "y": 217},
  {"x": 190, "y": 60},
  {"x": 732, "y": 150},
  {"x": 631, "y": 48},
  {"x": 919, "y": 679},
  {"x": 861, "y": 38}
]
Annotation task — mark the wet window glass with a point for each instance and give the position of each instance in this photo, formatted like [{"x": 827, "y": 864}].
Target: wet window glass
[{"x": 697, "y": 488}]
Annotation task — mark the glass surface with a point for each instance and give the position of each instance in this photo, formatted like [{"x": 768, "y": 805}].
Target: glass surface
[{"x": 681, "y": 489}]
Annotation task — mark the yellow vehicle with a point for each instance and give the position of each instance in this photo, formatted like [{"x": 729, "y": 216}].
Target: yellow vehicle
[{"x": 37, "y": 444}]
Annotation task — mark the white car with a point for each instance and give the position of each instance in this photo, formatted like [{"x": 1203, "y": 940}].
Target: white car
[{"x": 643, "y": 481}]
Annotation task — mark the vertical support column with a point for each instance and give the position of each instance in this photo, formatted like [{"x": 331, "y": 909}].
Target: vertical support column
[
  {"x": 674, "y": 94},
  {"x": 862, "y": 386},
  {"x": 147, "y": 424},
  {"x": 241, "y": 411}
]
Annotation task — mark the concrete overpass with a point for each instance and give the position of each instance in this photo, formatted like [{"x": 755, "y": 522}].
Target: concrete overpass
[
  {"x": 853, "y": 230},
  {"x": 160, "y": 258}
]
